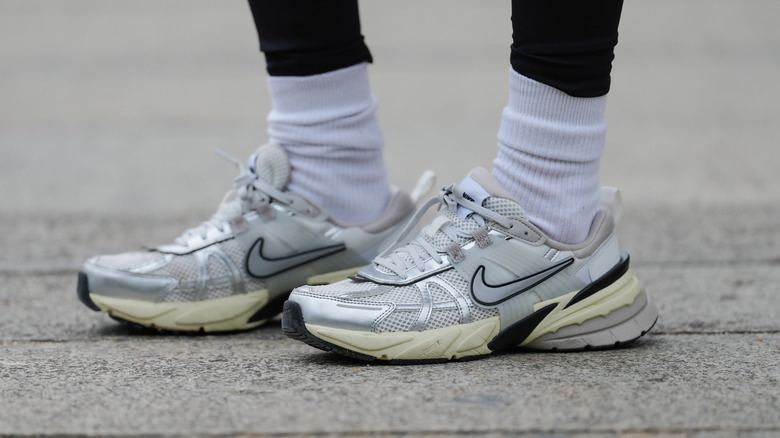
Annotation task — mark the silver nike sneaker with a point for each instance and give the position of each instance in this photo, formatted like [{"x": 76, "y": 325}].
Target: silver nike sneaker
[
  {"x": 234, "y": 271},
  {"x": 479, "y": 278}
]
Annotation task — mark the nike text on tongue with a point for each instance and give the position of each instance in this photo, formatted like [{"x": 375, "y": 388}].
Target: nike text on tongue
[
  {"x": 473, "y": 192},
  {"x": 252, "y": 163}
]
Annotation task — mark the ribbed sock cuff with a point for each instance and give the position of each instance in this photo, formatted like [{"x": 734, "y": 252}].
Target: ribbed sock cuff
[
  {"x": 550, "y": 146},
  {"x": 327, "y": 124}
]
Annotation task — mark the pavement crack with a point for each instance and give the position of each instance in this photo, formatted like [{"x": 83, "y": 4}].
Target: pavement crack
[
  {"x": 703, "y": 263},
  {"x": 530, "y": 432}
]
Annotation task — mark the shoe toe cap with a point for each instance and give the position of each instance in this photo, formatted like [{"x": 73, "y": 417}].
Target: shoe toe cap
[
  {"x": 336, "y": 313},
  {"x": 139, "y": 261},
  {"x": 107, "y": 279}
]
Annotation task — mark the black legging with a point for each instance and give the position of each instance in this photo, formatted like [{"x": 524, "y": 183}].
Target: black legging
[{"x": 567, "y": 44}]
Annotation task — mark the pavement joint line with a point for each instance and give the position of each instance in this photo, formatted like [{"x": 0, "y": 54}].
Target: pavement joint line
[
  {"x": 433, "y": 433},
  {"x": 71, "y": 269},
  {"x": 128, "y": 338},
  {"x": 704, "y": 263},
  {"x": 40, "y": 270}
]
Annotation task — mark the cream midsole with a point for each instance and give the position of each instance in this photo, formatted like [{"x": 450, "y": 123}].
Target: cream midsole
[
  {"x": 472, "y": 339},
  {"x": 622, "y": 292},
  {"x": 219, "y": 314},
  {"x": 447, "y": 342}
]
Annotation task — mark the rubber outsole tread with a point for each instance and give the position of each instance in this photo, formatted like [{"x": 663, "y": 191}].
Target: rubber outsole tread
[
  {"x": 153, "y": 330},
  {"x": 294, "y": 327},
  {"x": 201, "y": 331}
]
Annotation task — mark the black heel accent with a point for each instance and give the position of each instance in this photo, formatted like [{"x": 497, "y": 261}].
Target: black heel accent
[
  {"x": 516, "y": 333},
  {"x": 271, "y": 309},
  {"x": 605, "y": 280}
]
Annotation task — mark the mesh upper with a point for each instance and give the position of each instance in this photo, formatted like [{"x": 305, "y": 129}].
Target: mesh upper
[
  {"x": 184, "y": 268},
  {"x": 444, "y": 318},
  {"x": 217, "y": 268},
  {"x": 502, "y": 206},
  {"x": 398, "y": 321},
  {"x": 209, "y": 277},
  {"x": 439, "y": 294},
  {"x": 407, "y": 300}
]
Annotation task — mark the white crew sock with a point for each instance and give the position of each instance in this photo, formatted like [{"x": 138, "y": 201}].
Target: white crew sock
[
  {"x": 327, "y": 125},
  {"x": 549, "y": 148}
]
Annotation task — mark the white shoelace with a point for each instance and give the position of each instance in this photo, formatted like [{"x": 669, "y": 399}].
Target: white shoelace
[
  {"x": 415, "y": 253},
  {"x": 248, "y": 191}
]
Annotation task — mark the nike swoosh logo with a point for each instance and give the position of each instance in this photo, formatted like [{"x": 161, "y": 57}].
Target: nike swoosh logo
[
  {"x": 262, "y": 266},
  {"x": 492, "y": 294}
]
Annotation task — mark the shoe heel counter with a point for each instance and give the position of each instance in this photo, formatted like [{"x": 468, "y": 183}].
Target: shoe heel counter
[
  {"x": 604, "y": 258},
  {"x": 603, "y": 251},
  {"x": 608, "y": 254}
]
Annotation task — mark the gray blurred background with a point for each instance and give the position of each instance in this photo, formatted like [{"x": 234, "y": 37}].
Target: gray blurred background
[{"x": 115, "y": 107}]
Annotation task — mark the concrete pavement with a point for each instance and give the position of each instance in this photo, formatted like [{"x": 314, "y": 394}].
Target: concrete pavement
[{"x": 108, "y": 114}]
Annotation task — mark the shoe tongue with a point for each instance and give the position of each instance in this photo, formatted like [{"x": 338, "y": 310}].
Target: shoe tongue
[
  {"x": 271, "y": 165},
  {"x": 488, "y": 183},
  {"x": 472, "y": 191},
  {"x": 478, "y": 186},
  {"x": 483, "y": 190}
]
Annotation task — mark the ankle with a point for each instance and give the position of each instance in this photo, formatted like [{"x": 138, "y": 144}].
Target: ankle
[
  {"x": 550, "y": 146},
  {"x": 327, "y": 124}
]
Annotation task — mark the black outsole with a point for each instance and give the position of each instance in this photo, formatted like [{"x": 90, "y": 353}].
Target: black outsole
[
  {"x": 154, "y": 330},
  {"x": 157, "y": 331},
  {"x": 82, "y": 290},
  {"x": 294, "y": 327},
  {"x": 271, "y": 308}
]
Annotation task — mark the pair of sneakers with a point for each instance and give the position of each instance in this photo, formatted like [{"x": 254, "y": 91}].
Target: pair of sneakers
[{"x": 479, "y": 278}]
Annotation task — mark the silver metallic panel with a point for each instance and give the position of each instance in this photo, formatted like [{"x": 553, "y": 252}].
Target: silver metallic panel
[
  {"x": 112, "y": 283},
  {"x": 460, "y": 300},
  {"x": 336, "y": 314},
  {"x": 425, "y": 309}
]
